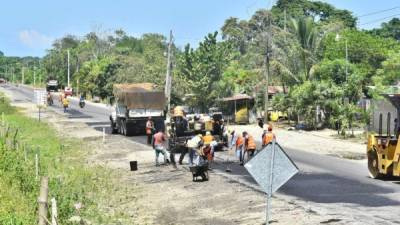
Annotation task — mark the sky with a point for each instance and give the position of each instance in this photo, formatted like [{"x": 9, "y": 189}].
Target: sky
[{"x": 28, "y": 28}]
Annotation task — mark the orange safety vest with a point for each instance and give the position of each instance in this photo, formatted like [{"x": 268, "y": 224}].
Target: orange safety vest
[
  {"x": 239, "y": 141},
  {"x": 251, "y": 144},
  {"x": 268, "y": 137},
  {"x": 207, "y": 139}
]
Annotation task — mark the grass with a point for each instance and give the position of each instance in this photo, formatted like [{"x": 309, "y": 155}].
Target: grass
[{"x": 62, "y": 159}]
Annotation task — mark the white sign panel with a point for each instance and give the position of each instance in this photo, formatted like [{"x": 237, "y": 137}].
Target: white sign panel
[
  {"x": 40, "y": 97},
  {"x": 283, "y": 168}
]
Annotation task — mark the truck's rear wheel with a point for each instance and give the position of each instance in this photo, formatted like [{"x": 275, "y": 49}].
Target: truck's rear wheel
[
  {"x": 123, "y": 127},
  {"x": 373, "y": 165},
  {"x": 128, "y": 130},
  {"x": 113, "y": 129}
]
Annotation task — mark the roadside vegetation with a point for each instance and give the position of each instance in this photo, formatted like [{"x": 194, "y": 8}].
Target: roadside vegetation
[
  {"x": 79, "y": 189},
  {"x": 307, "y": 48}
]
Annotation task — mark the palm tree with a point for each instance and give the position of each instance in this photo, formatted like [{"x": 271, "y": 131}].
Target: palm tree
[{"x": 308, "y": 38}]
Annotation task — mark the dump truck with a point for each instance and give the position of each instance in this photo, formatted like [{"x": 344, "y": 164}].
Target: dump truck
[
  {"x": 52, "y": 85},
  {"x": 383, "y": 148},
  {"x": 133, "y": 105}
]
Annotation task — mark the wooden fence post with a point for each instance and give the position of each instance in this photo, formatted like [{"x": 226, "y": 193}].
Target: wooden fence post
[
  {"x": 42, "y": 200},
  {"x": 104, "y": 135},
  {"x": 53, "y": 212},
  {"x": 37, "y": 165},
  {"x": 25, "y": 153}
]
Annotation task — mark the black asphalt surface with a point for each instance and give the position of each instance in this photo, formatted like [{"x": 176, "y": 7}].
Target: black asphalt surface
[{"x": 322, "y": 179}]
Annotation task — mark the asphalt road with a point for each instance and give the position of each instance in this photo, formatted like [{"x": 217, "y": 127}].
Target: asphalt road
[{"x": 338, "y": 186}]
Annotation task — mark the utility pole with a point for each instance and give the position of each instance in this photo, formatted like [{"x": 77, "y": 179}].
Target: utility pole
[
  {"x": 347, "y": 59},
  {"x": 68, "y": 69},
  {"x": 34, "y": 74},
  {"x": 168, "y": 79},
  {"x": 12, "y": 74},
  {"x": 284, "y": 20},
  {"x": 267, "y": 73},
  {"x": 23, "y": 75},
  {"x": 40, "y": 74}
]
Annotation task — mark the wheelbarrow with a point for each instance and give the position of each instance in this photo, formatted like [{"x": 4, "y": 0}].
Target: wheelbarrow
[{"x": 200, "y": 171}]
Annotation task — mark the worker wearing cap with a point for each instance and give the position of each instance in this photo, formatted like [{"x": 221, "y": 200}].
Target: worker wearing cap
[{"x": 267, "y": 136}]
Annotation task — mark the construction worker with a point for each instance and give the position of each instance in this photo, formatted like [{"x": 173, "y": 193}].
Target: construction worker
[
  {"x": 62, "y": 96},
  {"x": 210, "y": 144},
  {"x": 249, "y": 146},
  {"x": 194, "y": 144},
  {"x": 208, "y": 138},
  {"x": 65, "y": 103},
  {"x": 149, "y": 130},
  {"x": 260, "y": 123},
  {"x": 239, "y": 143},
  {"x": 159, "y": 140},
  {"x": 267, "y": 136}
]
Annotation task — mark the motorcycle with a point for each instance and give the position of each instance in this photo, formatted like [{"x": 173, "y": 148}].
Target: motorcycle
[{"x": 82, "y": 104}]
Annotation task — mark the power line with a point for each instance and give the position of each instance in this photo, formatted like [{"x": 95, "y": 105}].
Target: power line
[
  {"x": 377, "y": 20},
  {"x": 378, "y": 12}
]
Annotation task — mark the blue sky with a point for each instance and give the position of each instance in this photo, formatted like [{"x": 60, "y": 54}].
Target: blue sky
[{"x": 29, "y": 27}]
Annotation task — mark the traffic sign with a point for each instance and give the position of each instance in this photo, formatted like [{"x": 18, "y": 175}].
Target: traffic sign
[
  {"x": 283, "y": 168},
  {"x": 40, "y": 96},
  {"x": 271, "y": 168}
]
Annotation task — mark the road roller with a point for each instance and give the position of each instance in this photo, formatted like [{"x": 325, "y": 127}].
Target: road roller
[{"x": 383, "y": 148}]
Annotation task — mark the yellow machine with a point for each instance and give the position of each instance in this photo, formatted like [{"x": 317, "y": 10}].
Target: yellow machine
[{"x": 383, "y": 150}]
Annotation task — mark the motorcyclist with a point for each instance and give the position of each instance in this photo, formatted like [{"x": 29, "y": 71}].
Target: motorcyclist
[
  {"x": 82, "y": 101},
  {"x": 49, "y": 99}
]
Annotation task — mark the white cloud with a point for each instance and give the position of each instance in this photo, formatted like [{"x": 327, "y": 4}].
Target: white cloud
[{"x": 34, "y": 39}]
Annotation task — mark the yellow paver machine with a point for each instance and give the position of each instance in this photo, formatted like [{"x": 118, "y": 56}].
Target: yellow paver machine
[{"x": 383, "y": 150}]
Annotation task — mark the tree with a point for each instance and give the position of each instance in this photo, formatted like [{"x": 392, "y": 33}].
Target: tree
[
  {"x": 389, "y": 73},
  {"x": 202, "y": 69},
  {"x": 320, "y": 11},
  {"x": 307, "y": 36},
  {"x": 389, "y": 29},
  {"x": 236, "y": 32}
]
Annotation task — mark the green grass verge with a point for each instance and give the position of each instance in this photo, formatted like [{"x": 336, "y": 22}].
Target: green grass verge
[{"x": 71, "y": 180}]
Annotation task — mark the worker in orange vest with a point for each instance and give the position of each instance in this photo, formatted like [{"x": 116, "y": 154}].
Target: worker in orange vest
[
  {"x": 249, "y": 146},
  {"x": 207, "y": 141},
  {"x": 208, "y": 138},
  {"x": 267, "y": 136},
  {"x": 239, "y": 144}
]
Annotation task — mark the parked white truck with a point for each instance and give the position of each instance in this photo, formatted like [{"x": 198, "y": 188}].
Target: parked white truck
[{"x": 134, "y": 104}]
